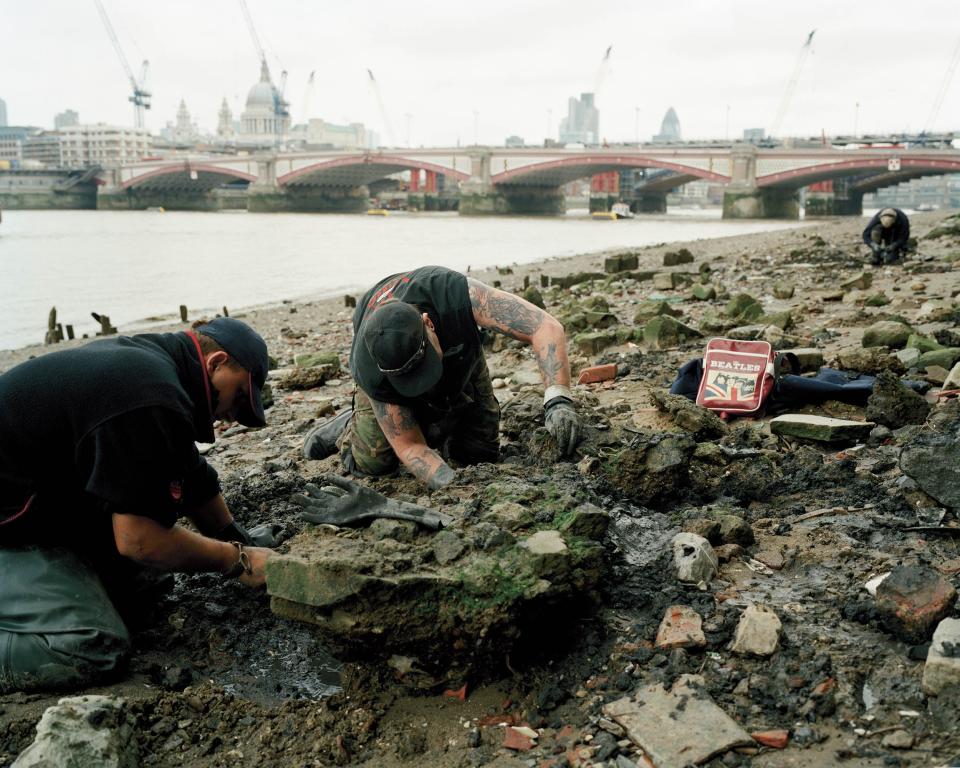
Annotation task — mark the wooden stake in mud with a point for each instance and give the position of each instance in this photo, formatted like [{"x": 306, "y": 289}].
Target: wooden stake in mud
[
  {"x": 349, "y": 301},
  {"x": 105, "y": 328},
  {"x": 51, "y": 335},
  {"x": 70, "y": 332},
  {"x": 183, "y": 313},
  {"x": 526, "y": 282},
  {"x": 225, "y": 313},
  {"x": 544, "y": 281}
]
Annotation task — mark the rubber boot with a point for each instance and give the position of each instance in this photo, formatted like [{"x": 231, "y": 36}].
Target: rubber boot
[{"x": 321, "y": 441}]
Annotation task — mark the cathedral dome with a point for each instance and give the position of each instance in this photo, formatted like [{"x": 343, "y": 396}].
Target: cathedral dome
[{"x": 262, "y": 93}]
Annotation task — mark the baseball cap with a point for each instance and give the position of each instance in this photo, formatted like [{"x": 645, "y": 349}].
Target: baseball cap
[
  {"x": 249, "y": 350},
  {"x": 396, "y": 339},
  {"x": 888, "y": 213}
]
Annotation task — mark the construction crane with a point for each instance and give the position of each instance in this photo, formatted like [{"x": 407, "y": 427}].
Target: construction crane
[
  {"x": 791, "y": 85},
  {"x": 375, "y": 88},
  {"x": 944, "y": 87},
  {"x": 601, "y": 73},
  {"x": 281, "y": 107},
  {"x": 140, "y": 96}
]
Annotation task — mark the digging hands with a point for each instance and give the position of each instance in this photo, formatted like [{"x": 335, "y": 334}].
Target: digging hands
[
  {"x": 563, "y": 423},
  {"x": 343, "y": 502}
]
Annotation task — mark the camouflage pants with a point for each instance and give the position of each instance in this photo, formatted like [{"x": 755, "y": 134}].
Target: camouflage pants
[{"x": 468, "y": 434}]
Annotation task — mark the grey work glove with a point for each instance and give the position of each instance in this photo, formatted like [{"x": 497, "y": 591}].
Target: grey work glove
[
  {"x": 563, "y": 423},
  {"x": 265, "y": 535},
  {"x": 343, "y": 502},
  {"x": 874, "y": 247}
]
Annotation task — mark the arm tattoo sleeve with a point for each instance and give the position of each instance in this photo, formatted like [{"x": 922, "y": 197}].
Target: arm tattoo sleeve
[
  {"x": 551, "y": 365},
  {"x": 504, "y": 312},
  {"x": 394, "y": 420}
]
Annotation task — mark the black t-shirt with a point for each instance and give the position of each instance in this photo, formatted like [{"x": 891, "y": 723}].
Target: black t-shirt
[
  {"x": 107, "y": 427},
  {"x": 898, "y": 234},
  {"x": 443, "y": 295}
]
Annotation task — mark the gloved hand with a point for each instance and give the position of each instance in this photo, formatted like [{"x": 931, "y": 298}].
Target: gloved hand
[
  {"x": 344, "y": 502},
  {"x": 875, "y": 248},
  {"x": 563, "y": 423},
  {"x": 265, "y": 535}
]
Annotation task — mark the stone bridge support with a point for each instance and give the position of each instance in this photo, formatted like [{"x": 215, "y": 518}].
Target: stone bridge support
[
  {"x": 133, "y": 199},
  {"x": 743, "y": 199},
  {"x": 480, "y": 197},
  {"x": 266, "y": 196}
]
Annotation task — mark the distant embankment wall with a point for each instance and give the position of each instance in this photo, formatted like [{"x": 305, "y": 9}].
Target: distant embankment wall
[{"x": 45, "y": 190}]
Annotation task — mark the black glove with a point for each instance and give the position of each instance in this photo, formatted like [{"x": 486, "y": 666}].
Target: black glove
[
  {"x": 563, "y": 423},
  {"x": 344, "y": 502},
  {"x": 874, "y": 247}
]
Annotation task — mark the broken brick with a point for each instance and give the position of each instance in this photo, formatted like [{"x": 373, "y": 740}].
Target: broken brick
[
  {"x": 776, "y": 739},
  {"x": 912, "y": 600},
  {"x": 516, "y": 740},
  {"x": 681, "y": 627},
  {"x": 460, "y": 694},
  {"x": 597, "y": 373}
]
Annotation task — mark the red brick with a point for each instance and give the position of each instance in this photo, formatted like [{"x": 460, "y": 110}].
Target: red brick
[
  {"x": 912, "y": 600},
  {"x": 822, "y": 689},
  {"x": 460, "y": 694},
  {"x": 680, "y": 628},
  {"x": 513, "y": 739},
  {"x": 774, "y": 739},
  {"x": 597, "y": 373}
]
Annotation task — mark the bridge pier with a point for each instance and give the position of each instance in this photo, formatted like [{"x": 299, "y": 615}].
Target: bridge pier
[
  {"x": 744, "y": 199},
  {"x": 140, "y": 199},
  {"x": 308, "y": 199},
  {"x": 649, "y": 202},
  {"x": 833, "y": 198},
  {"x": 518, "y": 201}
]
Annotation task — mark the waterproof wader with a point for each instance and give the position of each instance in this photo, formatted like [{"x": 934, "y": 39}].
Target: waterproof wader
[
  {"x": 467, "y": 433},
  {"x": 58, "y": 627}
]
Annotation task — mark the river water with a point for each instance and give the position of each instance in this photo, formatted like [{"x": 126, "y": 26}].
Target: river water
[{"x": 140, "y": 265}]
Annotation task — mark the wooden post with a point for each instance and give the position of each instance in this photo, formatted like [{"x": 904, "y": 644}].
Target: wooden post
[
  {"x": 544, "y": 281},
  {"x": 183, "y": 313},
  {"x": 59, "y": 331},
  {"x": 225, "y": 313},
  {"x": 70, "y": 332},
  {"x": 105, "y": 328},
  {"x": 526, "y": 282},
  {"x": 51, "y": 335},
  {"x": 349, "y": 301}
]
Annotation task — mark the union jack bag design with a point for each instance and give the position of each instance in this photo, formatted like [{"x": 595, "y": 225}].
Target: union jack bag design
[{"x": 737, "y": 376}]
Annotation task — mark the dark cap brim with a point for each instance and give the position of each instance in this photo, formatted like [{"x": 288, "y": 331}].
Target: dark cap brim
[
  {"x": 421, "y": 379},
  {"x": 250, "y": 414}
]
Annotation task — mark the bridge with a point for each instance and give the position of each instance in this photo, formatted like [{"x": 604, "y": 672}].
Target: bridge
[{"x": 757, "y": 182}]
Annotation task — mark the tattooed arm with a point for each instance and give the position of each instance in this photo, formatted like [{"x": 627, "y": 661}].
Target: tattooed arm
[
  {"x": 407, "y": 440},
  {"x": 518, "y": 318}
]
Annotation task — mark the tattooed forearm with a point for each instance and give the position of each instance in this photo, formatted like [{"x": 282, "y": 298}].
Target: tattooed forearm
[
  {"x": 509, "y": 314},
  {"x": 430, "y": 469},
  {"x": 552, "y": 363}
]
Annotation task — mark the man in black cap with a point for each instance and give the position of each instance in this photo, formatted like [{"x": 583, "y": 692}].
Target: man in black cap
[
  {"x": 98, "y": 460},
  {"x": 886, "y": 235},
  {"x": 424, "y": 394}
]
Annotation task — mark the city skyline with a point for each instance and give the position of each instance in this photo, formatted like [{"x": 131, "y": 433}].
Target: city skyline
[{"x": 724, "y": 73}]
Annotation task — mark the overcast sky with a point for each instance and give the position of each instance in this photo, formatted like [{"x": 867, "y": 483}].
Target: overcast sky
[{"x": 448, "y": 68}]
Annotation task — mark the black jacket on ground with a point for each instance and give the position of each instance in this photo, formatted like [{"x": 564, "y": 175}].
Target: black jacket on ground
[
  {"x": 107, "y": 427},
  {"x": 444, "y": 296},
  {"x": 897, "y": 235}
]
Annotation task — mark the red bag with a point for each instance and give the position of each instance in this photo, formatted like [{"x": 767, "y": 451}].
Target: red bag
[{"x": 737, "y": 376}]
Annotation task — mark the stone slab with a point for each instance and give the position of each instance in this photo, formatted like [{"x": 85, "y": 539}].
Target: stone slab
[
  {"x": 942, "y": 670},
  {"x": 820, "y": 428},
  {"x": 678, "y": 727}
]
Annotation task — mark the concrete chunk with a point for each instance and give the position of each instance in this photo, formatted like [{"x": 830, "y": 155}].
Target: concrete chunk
[
  {"x": 681, "y": 627},
  {"x": 820, "y": 428},
  {"x": 758, "y": 633},
  {"x": 679, "y": 727},
  {"x": 942, "y": 669}
]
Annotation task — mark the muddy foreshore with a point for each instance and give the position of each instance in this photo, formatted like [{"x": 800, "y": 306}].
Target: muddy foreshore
[{"x": 217, "y": 679}]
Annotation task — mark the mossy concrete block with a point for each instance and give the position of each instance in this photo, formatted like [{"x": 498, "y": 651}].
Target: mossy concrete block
[
  {"x": 811, "y": 358},
  {"x": 673, "y": 258},
  {"x": 587, "y": 521},
  {"x": 945, "y": 358},
  {"x": 594, "y": 342},
  {"x": 703, "y": 292},
  {"x": 667, "y": 281},
  {"x": 886, "y": 333},
  {"x": 313, "y": 359},
  {"x": 549, "y": 553},
  {"x": 821, "y": 429},
  {"x": 621, "y": 262},
  {"x": 664, "y": 332},
  {"x": 509, "y": 515},
  {"x": 651, "y": 308},
  {"x": 922, "y": 343},
  {"x": 312, "y": 581},
  {"x": 740, "y": 305},
  {"x": 783, "y": 289},
  {"x": 783, "y": 320}
]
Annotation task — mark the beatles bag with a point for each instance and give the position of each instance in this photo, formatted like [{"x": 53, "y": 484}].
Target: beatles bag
[{"x": 737, "y": 376}]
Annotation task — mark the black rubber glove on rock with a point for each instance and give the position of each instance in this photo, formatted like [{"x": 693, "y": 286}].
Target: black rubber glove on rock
[
  {"x": 563, "y": 423},
  {"x": 266, "y": 535},
  {"x": 344, "y": 502}
]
